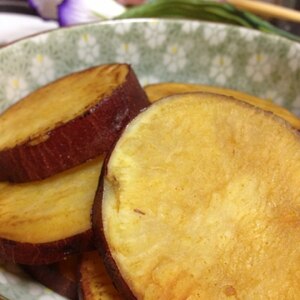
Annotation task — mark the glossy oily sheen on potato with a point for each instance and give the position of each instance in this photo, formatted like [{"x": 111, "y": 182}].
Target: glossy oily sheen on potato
[
  {"x": 46, "y": 221},
  {"x": 200, "y": 200},
  {"x": 161, "y": 90},
  {"x": 67, "y": 122}
]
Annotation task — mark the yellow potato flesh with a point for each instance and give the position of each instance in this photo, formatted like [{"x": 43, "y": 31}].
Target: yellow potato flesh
[
  {"x": 51, "y": 209},
  {"x": 161, "y": 90},
  {"x": 94, "y": 280},
  {"x": 58, "y": 103},
  {"x": 201, "y": 201}
]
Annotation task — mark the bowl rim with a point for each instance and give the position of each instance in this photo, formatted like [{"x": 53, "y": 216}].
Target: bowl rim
[{"x": 269, "y": 36}]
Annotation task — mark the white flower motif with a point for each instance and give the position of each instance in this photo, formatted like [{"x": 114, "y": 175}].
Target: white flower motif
[
  {"x": 249, "y": 35},
  {"x": 60, "y": 36},
  {"x": 175, "y": 58},
  {"x": 269, "y": 95},
  {"x": 297, "y": 101},
  {"x": 258, "y": 67},
  {"x": 155, "y": 34},
  {"x": 13, "y": 279},
  {"x": 40, "y": 39},
  {"x": 34, "y": 289},
  {"x": 3, "y": 279},
  {"x": 57, "y": 297},
  {"x": 16, "y": 88},
  {"x": 190, "y": 26},
  {"x": 148, "y": 80},
  {"x": 296, "y": 106},
  {"x": 49, "y": 297},
  {"x": 88, "y": 49},
  {"x": 214, "y": 35},
  {"x": 294, "y": 57},
  {"x": 42, "y": 69},
  {"x": 122, "y": 28},
  {"x": 273, "y": 96},
  {"x": 128, "y": 52},
  {"x": 221, "y": 68}
]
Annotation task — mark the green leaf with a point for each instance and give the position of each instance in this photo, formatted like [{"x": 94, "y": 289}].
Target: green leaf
[{"x": 206, "y": 11}]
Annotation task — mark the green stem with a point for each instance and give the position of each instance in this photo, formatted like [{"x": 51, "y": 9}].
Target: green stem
[{"x": 203, "y": 10}]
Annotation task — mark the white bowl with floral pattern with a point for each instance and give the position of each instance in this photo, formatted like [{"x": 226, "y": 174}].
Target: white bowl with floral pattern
[{"x": 264, "y": 65}]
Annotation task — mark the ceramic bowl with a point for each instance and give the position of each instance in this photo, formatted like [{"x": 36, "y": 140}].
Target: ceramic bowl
[{"x": 264, "y": 65}]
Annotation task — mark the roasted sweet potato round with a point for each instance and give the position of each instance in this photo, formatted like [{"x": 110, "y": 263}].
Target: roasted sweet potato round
[
  {"x": 67, "y": 122},
  {"x": 94, "y": 282},
  {"x": 46, "y": 221},
  {"x": 161, "y": 90},
  {"x": 199, "y": 200}
]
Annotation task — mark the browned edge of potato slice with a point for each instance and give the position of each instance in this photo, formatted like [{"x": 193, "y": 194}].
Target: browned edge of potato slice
[
  {"x": 45, "y": 221},
  {"x": 44, "y": 253},
  {"x": 199, "y": 199},
  {"x": 67, "y": 122},
  {"x": 100, "y": 241},
  {"x": 165, "y": 89},
  {"x": 61, "y": 277},
  {"x": 94, "y": 282}
]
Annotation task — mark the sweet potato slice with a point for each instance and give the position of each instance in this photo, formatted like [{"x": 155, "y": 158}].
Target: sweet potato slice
[
  {"x": 45, "y": 221},
  {"x": 67, "y": 122},
  {"x": 200, "y": 200},
  {"x": 61, "y": 277},
  {"x": 94, "y": 282},
  {"x": 162, "y": 90}
]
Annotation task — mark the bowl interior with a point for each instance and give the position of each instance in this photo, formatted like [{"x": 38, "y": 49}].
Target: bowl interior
[{"x": 159, "y": 50}]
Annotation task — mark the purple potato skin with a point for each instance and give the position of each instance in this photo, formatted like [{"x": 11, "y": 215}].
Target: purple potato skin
[
  {"x": 45, "y": 253},
  {"x": 83, "y": 138},
  {"x": 101, "y": 242}
]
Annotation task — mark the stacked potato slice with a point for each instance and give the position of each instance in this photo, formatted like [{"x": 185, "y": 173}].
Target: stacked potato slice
[
  {"x": 94, "y": 282},
  {"x": 214, "y": 213},
  {"x": 60, "y": 132},
  {"x": 197, "y": 197},
  {"x": 67, "y": 122}
]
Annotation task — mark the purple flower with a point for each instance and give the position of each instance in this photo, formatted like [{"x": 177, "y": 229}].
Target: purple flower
[
  {"x": 45, "y": 8},
  {"x": 72, "y": 12}
]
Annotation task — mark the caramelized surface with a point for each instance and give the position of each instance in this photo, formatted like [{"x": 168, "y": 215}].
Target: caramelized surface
[
  {"x": 95, "y": 283},
  {"x": 51, "y": 209},
  {"x": 161, "y": 90},
  {"x": 58, "y": 103},
  {"x": 205, "y": 192}
]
